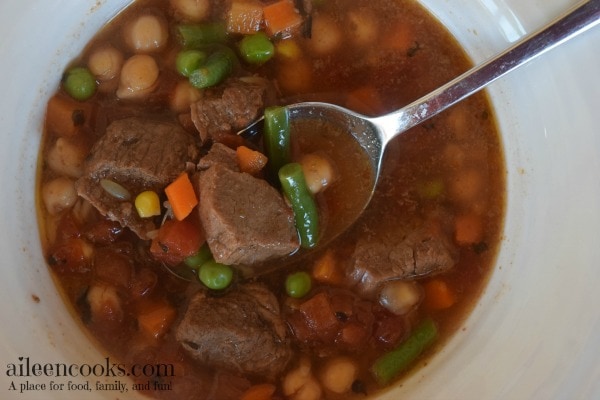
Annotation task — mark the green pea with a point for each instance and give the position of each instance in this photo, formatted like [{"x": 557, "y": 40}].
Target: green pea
[
  {"x": 298, "y": 284},
  {"x": 79, "y": 83},
  {"x": 215, "y": 275},
  {"x": 196, "y": 260},
  {"x": 256, "y": 48},
  {"x": 189, "y": 60}
]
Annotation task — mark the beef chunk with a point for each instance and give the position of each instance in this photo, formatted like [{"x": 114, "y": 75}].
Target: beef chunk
[
  {"x": 219, "y": 154},
  {"x": 246, "y": 220},
  {"x": 228, "y": 107},
  {"x": 139, "y": 154},
  {"x": 422, "y": 252},
  {"x": 241, "y": 331}
]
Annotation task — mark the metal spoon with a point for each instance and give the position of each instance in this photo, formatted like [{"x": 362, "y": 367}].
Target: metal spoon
[{"x": 373, "y": 134}]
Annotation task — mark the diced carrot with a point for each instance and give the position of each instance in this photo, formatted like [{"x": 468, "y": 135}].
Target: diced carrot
[
  {"x": 365, "y": 100},
  {"x": 182, "y": 196},
  {"x": 250, "y": 161},
  {"x": 468, "y": 229},
  {"x": 64, "y": 116},
  {"x": 281, "y": 17},
  {"x": 326, "y": 269},
  {"x": 175, "y": 241},
  {"x": 244, "y": 17},
  {"x": 438, "y": 295},
  {"x": 156, "y": 320},
  {"x": 261, "y": 391},
  {"x": 295, "y": 76}
]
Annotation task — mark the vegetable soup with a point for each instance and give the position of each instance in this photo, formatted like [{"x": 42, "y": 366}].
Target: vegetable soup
[{"x": 178, "y": 242}]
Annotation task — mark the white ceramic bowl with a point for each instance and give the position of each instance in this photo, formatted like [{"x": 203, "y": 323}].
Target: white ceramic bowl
[{"x": 536, "y": 330}]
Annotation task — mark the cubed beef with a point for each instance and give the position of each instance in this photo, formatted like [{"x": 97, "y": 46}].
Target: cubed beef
[
  {"x": 246, "y": 220},
  {"x": 423, "y": 252},
  {"x": 241, "y": 331},
  {"x": 138, "y": 154},
  {"x": 219, "y": 154},
  {"x": 229, "y": 107}
]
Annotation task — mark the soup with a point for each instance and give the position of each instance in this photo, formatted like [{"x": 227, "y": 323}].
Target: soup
[{"x": 181, "y": 245}]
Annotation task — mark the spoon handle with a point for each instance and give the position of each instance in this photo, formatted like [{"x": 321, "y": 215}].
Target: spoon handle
[{"x": 581, "y": 18}]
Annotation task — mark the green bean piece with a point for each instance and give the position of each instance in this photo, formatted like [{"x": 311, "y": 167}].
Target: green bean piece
[
  {"x": 391, "y": 364},
  {"x": 197, "y": 35},
  {"x": 276, "y": 137},
  {"x": 257, "y": 48},
  {"x": 217, "y": 67},
  {"x": 306, "y": 215},
  {"x": 79, "y": 83},
  {"x": 215, "y": 275},
  {"x": 196, "y": 260},
  {"x": 298, "y": 284},
  {"x": 188, "y": 61}
]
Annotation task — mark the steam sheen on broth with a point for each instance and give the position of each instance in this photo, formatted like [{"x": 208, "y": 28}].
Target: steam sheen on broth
[{"x": 141, "y": 170}]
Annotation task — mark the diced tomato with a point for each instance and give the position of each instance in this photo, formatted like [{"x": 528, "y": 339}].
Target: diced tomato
[
  {"x": 113, "y": 267},
  {"x": 319, "y": 313},
  {"x": 67, "y": 228},
  {"x": 333, "y": 317},
  {"x": 68, "y": 256},
  {"x": 143, "y": 283},
  {"x": 352, "y": 335},
  {"x": 104, "y": 231},
  {"x": 299, "y": 327},
  {"x": 389, "y": 329},
  {"x": 176, "y": 240}
]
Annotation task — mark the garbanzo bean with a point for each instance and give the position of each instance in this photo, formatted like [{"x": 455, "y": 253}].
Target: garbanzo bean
[{"x": 138, "y": 77}]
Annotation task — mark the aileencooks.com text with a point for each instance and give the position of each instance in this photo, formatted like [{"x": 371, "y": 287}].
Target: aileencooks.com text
[{"x": 24, "y": 367}]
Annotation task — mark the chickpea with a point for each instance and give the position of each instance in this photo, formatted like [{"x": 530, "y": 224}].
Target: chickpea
[
  {"x": 326, "y": 35},
  {"x": 318, "y": 172},
  {"x": 338, "y": 374},
  {"x": 183, "y": 96},
  {"x": 454, "y": 155},
  {"x": 105, "y": 63},
  {"x": 399, "y": 297},
  {"x": 467, "y": 185},
  {"x": 139, "y": 77},
  {"x": 310, "y": 391},
  {"x": 362, "y": 27},
  {"x": 300, "y": 384},
  {"x": 192, "y": 10},
  {"x": 105, "y": 304},
  {"x": 148, "y": 33},
  {"x": 59, "y": 194},
  {"x": 458, "y": 122},
  {"x": 66, "y": 158}
]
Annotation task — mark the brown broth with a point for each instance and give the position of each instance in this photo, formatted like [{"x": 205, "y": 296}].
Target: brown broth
[{"x": 449, "y": 167}]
